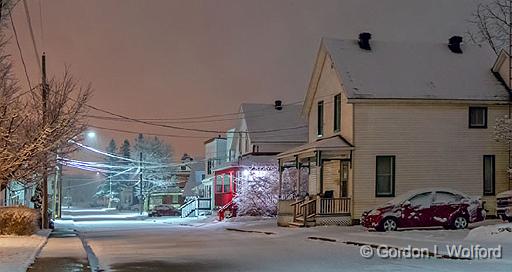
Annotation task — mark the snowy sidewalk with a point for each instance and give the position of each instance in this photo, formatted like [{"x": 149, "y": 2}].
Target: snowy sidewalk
[
  {"x": 18, "y": 252},
  {"x": 64, "y": 251}
]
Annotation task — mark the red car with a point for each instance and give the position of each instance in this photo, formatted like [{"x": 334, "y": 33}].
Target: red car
[
  {"x": 425, "y": 208},
  {"x": 164, "y": 210}
]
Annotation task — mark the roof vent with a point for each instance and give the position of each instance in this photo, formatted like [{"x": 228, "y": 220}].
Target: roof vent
[
  {"x": 454, "y": 44},
  {"x": 364, "y": 40},
  {"x": 278, "y": 105}
]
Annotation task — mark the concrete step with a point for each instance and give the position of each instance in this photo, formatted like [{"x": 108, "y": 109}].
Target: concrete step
[{"x": 296, "y": 224}]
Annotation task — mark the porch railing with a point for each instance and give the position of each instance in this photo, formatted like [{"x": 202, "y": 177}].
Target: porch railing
[
  {"x": 194, "y": 206},
  {"x": 334, "y": 206},
  {"x": 297, "y": 210}
]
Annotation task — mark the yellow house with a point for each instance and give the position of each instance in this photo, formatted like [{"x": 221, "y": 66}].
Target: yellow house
[{"x": 389, "y": 117}]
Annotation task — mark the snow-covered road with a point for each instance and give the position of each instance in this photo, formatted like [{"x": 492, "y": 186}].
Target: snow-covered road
[{"x": 188, "y": 246}]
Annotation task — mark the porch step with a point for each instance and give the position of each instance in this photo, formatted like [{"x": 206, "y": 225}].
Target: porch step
[{"x": 296, "y": 225}]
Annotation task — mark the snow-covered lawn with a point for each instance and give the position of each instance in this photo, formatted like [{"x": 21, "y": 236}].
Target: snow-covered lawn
[{"x": 18, "y": 252}]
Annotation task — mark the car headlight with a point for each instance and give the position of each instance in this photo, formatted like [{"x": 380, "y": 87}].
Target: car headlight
[{"x": 374, "y": 212}]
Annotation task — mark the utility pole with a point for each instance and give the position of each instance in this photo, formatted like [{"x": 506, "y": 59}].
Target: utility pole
[
  {"x": 44, "y": 98},
  {"x": 509, "y": 85},
  {"x": 58, "y": 192},
  {"x": 110, "y": 192},
  {"x": 140, "y": 184}
]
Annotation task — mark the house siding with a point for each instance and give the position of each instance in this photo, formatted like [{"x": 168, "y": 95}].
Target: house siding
[
  {"x": 329, "y": 86},
  {"x": 433, "y": 147}
]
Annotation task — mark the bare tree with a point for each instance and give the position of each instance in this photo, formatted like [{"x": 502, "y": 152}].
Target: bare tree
[
  {"x": 491, "y": 21},
  {"x": 27, "y": 144}
]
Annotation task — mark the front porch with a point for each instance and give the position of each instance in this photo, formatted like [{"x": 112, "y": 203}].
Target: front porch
[{"x": 324, "y": 197}]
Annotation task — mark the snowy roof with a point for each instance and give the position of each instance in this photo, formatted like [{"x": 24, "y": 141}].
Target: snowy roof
[
  {"x": 414, "y": 70},
  {"x": 264, "y": 117},
  {"x": 196, "y": 170},
  {"x": 325, "y": 144}
]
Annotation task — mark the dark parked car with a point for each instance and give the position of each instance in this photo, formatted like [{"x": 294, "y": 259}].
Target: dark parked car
[
  {"x": 425, "y": 208},
  {"x": 164, "y": 210}
]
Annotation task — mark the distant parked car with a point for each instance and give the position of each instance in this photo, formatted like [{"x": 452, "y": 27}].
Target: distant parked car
[
  {"x": 426, "y": 208},
  {"x": 504, "y": 205},
  {"x": 164, "y": 210}
]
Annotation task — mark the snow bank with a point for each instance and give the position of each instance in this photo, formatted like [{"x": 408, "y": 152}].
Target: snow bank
[{"x": 495, "y": 233}]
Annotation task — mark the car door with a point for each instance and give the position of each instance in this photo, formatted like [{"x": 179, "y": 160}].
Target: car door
[
  {"x": 417, "y": 211},
  {"x": 444, "y": 205}
]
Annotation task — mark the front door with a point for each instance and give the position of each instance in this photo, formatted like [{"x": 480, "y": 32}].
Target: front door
[{"x": 344, "y": 166}]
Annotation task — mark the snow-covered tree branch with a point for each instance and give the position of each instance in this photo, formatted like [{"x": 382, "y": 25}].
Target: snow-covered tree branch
[{"x": 258, "y": 188}]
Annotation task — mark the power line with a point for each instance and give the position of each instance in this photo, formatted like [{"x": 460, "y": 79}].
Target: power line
[
  {"x": 182, "y": 128},
  {"x": 149, "y": 133},
  {"x": 31, "y": 30},
  {"x": 19, "y": 49}
]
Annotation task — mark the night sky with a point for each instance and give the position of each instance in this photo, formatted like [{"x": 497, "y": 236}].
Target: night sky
[{"x": 173, "y": 59}]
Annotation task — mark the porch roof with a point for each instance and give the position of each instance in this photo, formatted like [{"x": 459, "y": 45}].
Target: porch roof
[{"x": 334, "y": 143}]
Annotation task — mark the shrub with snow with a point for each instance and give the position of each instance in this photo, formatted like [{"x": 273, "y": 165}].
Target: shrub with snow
[
  {"x": 18, "y": 221},
  {"x": 258, "y": 189}
]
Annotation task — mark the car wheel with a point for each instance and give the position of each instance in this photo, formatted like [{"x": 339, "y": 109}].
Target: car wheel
[
  {"x": 388, "y": 224},
  {"x": 460, "y": 222}
]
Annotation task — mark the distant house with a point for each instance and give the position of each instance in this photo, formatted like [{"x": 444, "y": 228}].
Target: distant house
[
  {"x": 262, "y": 132},
  {"x": 388, "y": 117}
]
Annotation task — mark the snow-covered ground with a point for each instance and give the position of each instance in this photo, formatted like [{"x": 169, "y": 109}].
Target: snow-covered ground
[
  {"x": 18, "y": 252},
  {"x": 499, "y": 233},
  {"x": 245, "y": 244}
]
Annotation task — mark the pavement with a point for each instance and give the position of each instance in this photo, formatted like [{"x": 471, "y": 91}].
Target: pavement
[{"x": 243, "y": 244}]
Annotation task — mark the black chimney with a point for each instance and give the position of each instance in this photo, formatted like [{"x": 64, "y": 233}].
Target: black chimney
[
  {"x": 364, "y": 40},
  {"x": 278, "y": 105},
  {"x": 454, "y": 44}
]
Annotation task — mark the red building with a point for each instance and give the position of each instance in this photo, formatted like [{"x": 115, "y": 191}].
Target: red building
[{"x": 225, "y": 185}]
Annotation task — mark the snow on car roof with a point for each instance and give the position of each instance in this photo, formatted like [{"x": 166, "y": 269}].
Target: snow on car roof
[{"x": 402, "y": 197}]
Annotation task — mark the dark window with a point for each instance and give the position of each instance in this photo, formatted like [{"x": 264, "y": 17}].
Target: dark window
[
  {"x": 320, "y": 120},
  {"x": 209, "y": 167},
  {"x": 489, "y": 175},
  {"x": 337, "y": 113},
  {"x": 385, "y": 176},
  {"x": 477, "y": 117}
]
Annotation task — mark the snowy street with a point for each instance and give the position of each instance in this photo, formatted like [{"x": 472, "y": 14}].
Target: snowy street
[{"x": 175, "y": 244}]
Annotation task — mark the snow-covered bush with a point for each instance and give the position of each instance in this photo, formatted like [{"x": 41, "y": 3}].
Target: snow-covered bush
[
  {"x": 258, "y": 189},
  {"x": 18, "y": 221}
]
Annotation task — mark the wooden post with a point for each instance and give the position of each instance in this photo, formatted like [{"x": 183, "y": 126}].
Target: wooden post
[{"x": 280, "y": 169}]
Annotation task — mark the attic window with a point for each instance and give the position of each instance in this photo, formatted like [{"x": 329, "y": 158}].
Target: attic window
[{"x": 477, "y": 117}]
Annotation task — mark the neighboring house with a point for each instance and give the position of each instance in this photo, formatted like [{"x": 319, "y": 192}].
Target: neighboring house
[
  {"x": 389, "y": 117},
  {"x": 174, "y": 193},
  {"x": 215, "y": 156},
  {"x": 197, "y": 174},
  {"x": 262, "y": 132},
  {"x": 17, "y": 194}
]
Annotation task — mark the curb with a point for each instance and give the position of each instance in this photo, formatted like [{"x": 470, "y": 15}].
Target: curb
[
  {"x": 91, "y": 257},
  {"x": 251, "y": 231},
  {"x": 36, "y": 253}
]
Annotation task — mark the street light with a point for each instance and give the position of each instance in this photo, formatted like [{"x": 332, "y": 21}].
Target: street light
[{"x": 91, "y": 135}]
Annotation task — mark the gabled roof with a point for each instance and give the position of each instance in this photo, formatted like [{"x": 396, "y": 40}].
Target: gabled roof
[
  {"x": 264, "y": 117},
  {"x": 410, "y": 70}
]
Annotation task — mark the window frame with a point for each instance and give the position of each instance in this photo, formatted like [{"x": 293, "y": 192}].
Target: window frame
[
  {"x": 470, "y": 125},
  {"x": 320, "y": 118},
  {"x": 337, "y": 113},
  {"x": 493, "y": 181},
  {"x": 393, "y": 175}
]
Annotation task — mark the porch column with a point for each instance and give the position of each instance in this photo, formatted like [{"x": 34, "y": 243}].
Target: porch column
[
  {"x": 297, "y": 168},
  {"x": 280, "y": 169}
]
